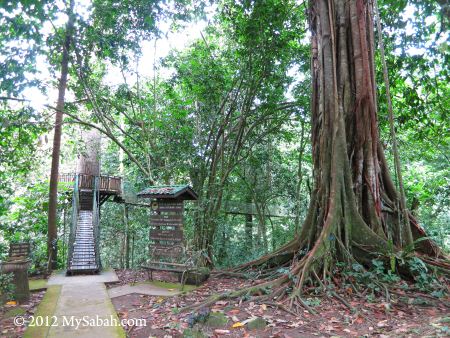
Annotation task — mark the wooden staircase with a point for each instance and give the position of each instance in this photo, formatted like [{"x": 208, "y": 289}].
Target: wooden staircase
[
  {"x": 86, "y": 200},
  {"x": 83, "y": 255}
]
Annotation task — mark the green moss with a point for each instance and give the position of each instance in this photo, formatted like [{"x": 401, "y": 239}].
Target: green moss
[
  {"x": 37, "y": 284},
  {"x": 257, "y": 324},
  {"x": 46, "y": 308},
  {"x": 120, "y": 332},
  {"x": 18, "y": 311},
  {"x": 216, "y": 319},
  {"x": 168, "y": 285},
  {"x": 191, "y": 333}
]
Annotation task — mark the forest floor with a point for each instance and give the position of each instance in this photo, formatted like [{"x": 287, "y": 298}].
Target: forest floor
[
  {"x": 408, "y": 314},
  {"x": 12, "y": 309}
]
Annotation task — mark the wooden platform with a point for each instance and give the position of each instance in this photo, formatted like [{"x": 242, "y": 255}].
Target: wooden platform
[{"x": 108, "y": 185}]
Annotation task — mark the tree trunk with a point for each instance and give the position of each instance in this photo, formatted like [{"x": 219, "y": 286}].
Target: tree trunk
[
  {"x": 354, "y": 193},
  {"x": 89, "y": 159},
  {"x": 298, "y": 188},
  {"x": 249, "y": 225},
  {"x": 249, "y": 232},
  {"x": 52, "y": 232},
  {"x": 127, "y": 237},
  {"x": 353, "y": 210}
]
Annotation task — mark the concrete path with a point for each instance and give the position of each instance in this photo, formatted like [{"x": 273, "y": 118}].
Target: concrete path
[
  {"x": 81, "y": 307},
  {"x": 60, "y": 278},
  {"x": 85, "y": 310},
  {"x": 142, "y": 288}
]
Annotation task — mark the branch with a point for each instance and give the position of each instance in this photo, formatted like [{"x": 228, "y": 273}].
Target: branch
[{"x": 91, "y": 125}]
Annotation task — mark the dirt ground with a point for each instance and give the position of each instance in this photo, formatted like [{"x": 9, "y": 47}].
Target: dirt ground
[
  {"x": 407, "y": 314},
  {"x": 9, "y": 311}
]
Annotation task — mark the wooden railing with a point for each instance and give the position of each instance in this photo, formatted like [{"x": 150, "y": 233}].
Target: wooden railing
[
  {"x": 111, "y": 184},
  {"x": 96, "y": 219},
  {"x": 73, "y": 224}
]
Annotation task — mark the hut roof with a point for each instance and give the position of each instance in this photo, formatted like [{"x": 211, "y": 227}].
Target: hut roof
[{"x": 179, "y": 192}]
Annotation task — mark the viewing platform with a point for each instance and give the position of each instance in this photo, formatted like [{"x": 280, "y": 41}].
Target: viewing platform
[{"x": 108, "y": 185}]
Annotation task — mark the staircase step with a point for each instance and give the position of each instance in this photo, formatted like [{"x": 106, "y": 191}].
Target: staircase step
[{"x": 83, "y": 251}]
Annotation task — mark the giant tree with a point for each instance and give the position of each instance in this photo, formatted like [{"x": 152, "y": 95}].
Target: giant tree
[{"x": 354, "y": 214}]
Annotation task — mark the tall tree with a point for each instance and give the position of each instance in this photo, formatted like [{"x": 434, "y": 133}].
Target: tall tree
[
  {"x": 354, "y": 212},
  {"x": 53, "y": 191}
]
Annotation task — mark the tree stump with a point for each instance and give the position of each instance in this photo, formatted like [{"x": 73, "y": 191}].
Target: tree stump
[{"x": 19, "y": 269}]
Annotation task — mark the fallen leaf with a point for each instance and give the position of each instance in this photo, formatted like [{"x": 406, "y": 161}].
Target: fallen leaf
[
  {"x": 221, "y": 332},
  {"x": 237, "y": 325},
  {"x": 383, "y": 323}
]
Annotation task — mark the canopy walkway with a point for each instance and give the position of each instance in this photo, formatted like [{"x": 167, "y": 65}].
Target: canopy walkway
[{"x": 228, "y": 207}]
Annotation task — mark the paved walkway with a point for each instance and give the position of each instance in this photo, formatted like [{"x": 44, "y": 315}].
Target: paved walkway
[
  {"x": 60, "y": 278},
  {"x": 142, "y": 288},
  {"x": 83, "y": 308},
  {"x": 80, "y": 306}
]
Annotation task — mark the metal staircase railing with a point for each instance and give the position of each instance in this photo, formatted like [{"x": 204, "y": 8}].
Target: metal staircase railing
[
  {"x": 95, "y": 220},
  {"x": 74, "y": 221}
]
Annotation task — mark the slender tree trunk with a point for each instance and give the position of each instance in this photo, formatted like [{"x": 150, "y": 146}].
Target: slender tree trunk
[
  {"x": 52, "y": 232},
  {"x": 262, "y": 228},
  {"x": 249, "y": 232},
  {"x": 132, "y": 249},
  {"x": 127, "y": 237},
  {"x": 298, "y": 189},
  {"x": 249, "y": 224},
  {"x": 125, "y": 207}
]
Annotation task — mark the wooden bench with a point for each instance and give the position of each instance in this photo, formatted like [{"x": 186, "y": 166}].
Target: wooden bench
[{"x": 170, "y": 259}]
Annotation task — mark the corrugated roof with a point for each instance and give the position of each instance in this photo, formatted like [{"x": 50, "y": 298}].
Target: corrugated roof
[{"x": 183, "y": 192}]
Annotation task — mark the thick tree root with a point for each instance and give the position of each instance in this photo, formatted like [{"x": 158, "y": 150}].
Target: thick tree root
[
  {"x": 305, "y": 270},
  {"x": 236, "y": 294}
]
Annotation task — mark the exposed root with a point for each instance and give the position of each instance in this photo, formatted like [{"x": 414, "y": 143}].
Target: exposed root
[
  {"x": 303, "y": 303},
  {"x": 283, "y": 307},
  {"x": 236, "y": 294}
]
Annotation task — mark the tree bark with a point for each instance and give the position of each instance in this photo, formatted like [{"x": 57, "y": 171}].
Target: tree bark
[
  {"x": 248, "y": 220},
  {"x": 52, "y": 232},
  {"x": 249, "y": 232},
  {"x": 298, "y": 188},
  {"x": 127, "y": 237},
  {"x": 89, "y": 159}
]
